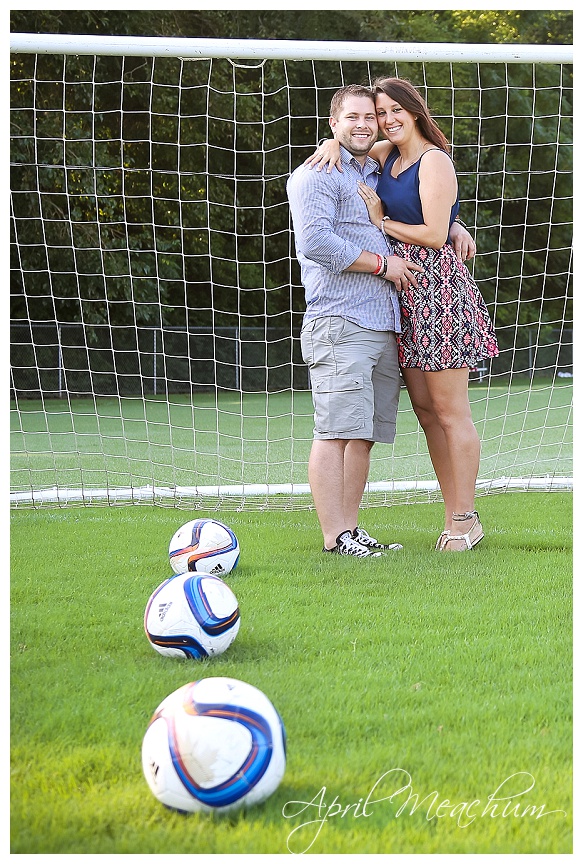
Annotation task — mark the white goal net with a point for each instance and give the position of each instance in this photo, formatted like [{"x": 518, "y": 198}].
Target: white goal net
[{"x": 156, "y": 301}]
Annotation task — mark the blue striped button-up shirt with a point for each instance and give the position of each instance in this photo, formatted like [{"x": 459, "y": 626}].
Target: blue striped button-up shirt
[{"x": 332, "y": 227}]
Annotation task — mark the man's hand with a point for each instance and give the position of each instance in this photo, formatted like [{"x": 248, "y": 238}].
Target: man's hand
[
  {"x": 401, "y": 272},
  {"x": 462, "y": 242}
]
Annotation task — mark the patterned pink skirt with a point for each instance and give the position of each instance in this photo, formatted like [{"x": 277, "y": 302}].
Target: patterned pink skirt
[{"x": 445, "y": 323}]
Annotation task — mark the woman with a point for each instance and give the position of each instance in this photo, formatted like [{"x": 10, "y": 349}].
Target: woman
[{"x": 446, "y": 329}]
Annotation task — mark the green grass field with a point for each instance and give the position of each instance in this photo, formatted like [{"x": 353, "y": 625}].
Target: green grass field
[
  {"x": 451, "y": 670},
  {"x": 525, "y": 429}
]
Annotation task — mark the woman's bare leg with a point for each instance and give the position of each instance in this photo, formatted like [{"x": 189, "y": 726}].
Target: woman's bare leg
[
  {"x": 448, "y": 390},
  {"x": 434, "y": 435},
  {"x": 441, "y": 403}
]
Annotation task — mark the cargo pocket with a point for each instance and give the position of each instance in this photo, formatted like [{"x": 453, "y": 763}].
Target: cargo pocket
[
  {"x": 338, "y": 403},
  {"x": 307, "y": 342}
]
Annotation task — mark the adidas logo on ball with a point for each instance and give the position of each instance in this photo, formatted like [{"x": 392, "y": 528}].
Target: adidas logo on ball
[
  {"x": 204, "y": 546},
  {"x": 192, "y": 615},
  {"x": 163, "y": 609}
]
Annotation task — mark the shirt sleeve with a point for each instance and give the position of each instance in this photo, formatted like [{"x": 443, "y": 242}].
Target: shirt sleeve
[{"x": 313, "y": 198}]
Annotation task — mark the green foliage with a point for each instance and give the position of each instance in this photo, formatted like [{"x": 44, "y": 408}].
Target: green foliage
[
  {"x": 526, "y": 26},
  {"x": 182, "y": 209},
  {"x": 454, "y": 668},
  {"x": 530, "y": 27}
]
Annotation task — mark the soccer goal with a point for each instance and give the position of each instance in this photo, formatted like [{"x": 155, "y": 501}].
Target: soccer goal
[{"x": 156, "y": 300}]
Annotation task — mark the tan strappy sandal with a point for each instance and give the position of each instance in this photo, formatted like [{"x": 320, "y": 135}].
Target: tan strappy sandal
[{"x": 471, "y": 538}]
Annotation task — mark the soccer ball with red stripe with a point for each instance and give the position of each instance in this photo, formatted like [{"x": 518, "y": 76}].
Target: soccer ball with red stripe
[
  {"x": 204, "y": 546},
  {"x": 214, "y": 745}
]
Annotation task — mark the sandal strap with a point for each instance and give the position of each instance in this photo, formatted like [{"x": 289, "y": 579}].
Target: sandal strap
[
  {"x": 461, "y": 517},
  {"x": 464, "y": 537},
  {"x": 441, "y": 540},
  {"x": 474, "y": 533}
]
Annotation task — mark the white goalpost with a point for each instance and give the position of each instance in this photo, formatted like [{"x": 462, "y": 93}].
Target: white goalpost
[{"x": 156, "y": 300}]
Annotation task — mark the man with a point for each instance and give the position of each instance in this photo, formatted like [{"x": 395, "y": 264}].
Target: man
[
  {"x": 348, "y": 332},
  {"x": 349, "y": 328}
]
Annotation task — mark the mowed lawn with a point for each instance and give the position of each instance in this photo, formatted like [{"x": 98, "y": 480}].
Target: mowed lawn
[{"x": 427, "y": 697}]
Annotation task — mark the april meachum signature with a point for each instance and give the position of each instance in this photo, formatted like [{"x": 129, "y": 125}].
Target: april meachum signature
[{"x": 503, "y": 802}]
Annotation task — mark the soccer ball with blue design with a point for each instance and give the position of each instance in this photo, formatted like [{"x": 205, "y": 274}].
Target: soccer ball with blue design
[
  {"x": 204, "y": 546},
  {"x": 192, "y": 615},
  {"x": 214, "y": 745}
]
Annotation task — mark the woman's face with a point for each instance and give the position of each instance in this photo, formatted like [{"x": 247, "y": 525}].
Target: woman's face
[{"x": 395, "y": 123}]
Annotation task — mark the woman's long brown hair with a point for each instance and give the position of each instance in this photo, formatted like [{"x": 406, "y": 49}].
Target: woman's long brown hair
[{"x": 409, "y": 98}]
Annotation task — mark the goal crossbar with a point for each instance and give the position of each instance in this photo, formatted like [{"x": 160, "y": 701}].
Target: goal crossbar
[{"x": 269, "y": 49}]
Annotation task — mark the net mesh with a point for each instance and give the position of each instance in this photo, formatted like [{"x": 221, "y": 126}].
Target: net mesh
[{"x": 156, "y": 301}]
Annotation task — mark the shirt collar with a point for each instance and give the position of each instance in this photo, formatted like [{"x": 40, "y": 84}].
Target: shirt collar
[{"x": 349, "y": 159}]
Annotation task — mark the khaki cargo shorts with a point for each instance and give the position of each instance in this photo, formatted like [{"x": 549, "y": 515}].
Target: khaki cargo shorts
[{"x": 355, "y": 379}]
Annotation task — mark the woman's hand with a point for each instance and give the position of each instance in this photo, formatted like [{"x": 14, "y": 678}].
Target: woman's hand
[
  {"x": 462, "y": 241},
  {"x": 327, "y": 153},
  {"x": 373, "y": 204}
]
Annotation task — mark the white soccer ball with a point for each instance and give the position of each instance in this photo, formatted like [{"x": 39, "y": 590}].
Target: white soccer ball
[
  {"x": 214, "y": 745},
  {"x": 192, "y": 615},
  {"x": 204, "y": 546}
]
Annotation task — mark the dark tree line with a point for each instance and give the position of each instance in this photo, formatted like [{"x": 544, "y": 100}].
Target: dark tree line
[
  {"x": 145, "y": 180},
  {"x": 553, "y": 27}
]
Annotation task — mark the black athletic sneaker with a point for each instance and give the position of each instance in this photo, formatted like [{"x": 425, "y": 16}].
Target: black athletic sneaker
[
  {"x": 346, "y": 545},
  {"x": 364, "y": 539}
]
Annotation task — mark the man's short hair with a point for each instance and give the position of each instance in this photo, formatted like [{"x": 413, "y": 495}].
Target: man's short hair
[{"x": 341, "y": 95}]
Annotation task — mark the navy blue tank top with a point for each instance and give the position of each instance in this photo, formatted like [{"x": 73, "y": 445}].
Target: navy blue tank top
[{"x": 400, "y": 195}]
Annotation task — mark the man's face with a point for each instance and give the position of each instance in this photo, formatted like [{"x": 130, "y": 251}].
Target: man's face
[{"x": 356, "y": 126}]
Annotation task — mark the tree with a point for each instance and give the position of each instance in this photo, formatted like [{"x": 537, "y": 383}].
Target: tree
[{"x": 137, "y": 227}]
